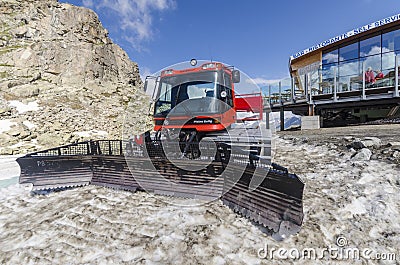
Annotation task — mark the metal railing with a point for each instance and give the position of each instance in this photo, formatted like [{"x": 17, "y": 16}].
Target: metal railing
[
  {"x": 329, "y": 85},
  {"x": 98, "y": 147}
]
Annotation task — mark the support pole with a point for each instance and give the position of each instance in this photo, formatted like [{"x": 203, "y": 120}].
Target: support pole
[
  {"x": 308, "y": 94},
  {"x": 334, "y": 85},
  {"x": 306, "y": 87},
  {"x": 280, "y": 93},
  {"x": 292, "y": 89},
  {"x": 396, "y": 79},
  {"x": 310, "y": 88},
  {"x": 363, "y": 87},
  {"x": 311, "y": 110},
  {"x": 269, "y": 93},
  {"x": 282, "y": 118},
  {"x": 267, "y": 112}
]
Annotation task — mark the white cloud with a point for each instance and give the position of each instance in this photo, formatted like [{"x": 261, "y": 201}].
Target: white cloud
[
  {"x": 144, "y": 72},
  {"x": 262, "y": 81},
  {"x": 135, "y": 17},
  {"x": 330, "y": 57},
  {"x": 88, "y": 3}
]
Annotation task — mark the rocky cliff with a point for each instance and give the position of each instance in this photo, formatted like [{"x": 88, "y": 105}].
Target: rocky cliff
[{"x": 61, "y": 77}]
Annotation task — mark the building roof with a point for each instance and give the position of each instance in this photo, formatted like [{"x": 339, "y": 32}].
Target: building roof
[{"x": 352, "y": 34}]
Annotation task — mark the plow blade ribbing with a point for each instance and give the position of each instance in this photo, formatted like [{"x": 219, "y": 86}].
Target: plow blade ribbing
[
  {"x": 55, "y": 172},
  {"x": 169, "y": 180},
  {"x": 275, "y": 203},
  {"x": 112, "y": 172}
]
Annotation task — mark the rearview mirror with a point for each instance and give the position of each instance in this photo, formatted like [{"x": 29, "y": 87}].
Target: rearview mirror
[{"x": 235, "y": 76}]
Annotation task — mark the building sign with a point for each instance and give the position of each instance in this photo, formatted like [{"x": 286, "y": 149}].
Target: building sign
[{"x": 347, "y": 35}]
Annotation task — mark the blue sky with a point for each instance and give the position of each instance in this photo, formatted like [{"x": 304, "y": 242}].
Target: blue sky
[{"x": 256, "y": 36}]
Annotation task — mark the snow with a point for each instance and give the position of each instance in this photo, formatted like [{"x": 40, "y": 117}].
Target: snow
[
  {"x": 22, "y": 108},
  {"x": 357, "y": 206},
  {"x": 244, "y": 115},
  {"x": 17, "y": 145},
  {"x": 95, "y": 225},
  {"x": 8, "y": 167},
  {"x": 91, "y": 133},
  {"x": 5, "y": 125},
  {"x": 29, "y": 125},
  {"x": 9, "y": 171},
  {"x": 290, "y": 121}
]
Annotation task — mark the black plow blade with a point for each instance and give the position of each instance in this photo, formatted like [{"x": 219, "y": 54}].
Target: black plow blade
[{"x": 275, "y": 202}]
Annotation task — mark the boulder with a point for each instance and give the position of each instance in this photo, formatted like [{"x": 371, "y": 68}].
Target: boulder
[
  {"x": 357, "y": 145},
  {"x": 47, "y": 139},
  {"x": 5, "y": 111},
  {"x": 394, "y": 145},
  {"x": 361, "y": 155},
  {"x": 6, "y": 151},
  {"x": 371, "y": 142}
]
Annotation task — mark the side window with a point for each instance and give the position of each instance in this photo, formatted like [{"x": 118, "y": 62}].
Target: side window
[
  {"x": 165, "y": 92},
  {"x": 228, "y": 89},
  {"x": 227, "y": 81}
]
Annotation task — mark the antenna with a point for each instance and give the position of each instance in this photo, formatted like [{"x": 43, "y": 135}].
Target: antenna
[{"x": 209, "y": 52}]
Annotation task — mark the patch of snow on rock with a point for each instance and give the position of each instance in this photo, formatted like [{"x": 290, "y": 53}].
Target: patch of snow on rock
[
  {"x": 91, "y": 133},
  {"x": 363, "y": 154},
  {"x": 22, "y": 108},
  {"x": 29, "y": 125},
  {"x": 5, "y": 125},
  {"x": 8, "y": 167}
]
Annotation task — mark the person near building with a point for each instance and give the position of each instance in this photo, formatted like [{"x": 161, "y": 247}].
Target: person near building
[
  {"x": 379, "y": 75},
  {"x": 369, "y": 77}
]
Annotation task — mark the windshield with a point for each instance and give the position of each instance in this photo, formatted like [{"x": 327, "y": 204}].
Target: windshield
[{"x": 198, "y": 91}]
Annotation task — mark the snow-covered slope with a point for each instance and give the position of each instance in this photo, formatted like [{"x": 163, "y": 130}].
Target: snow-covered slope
[
  {"x": 9, "y": 171},
  {"x": 356, "y": 201},
  {"x": 291, "y": 120}
]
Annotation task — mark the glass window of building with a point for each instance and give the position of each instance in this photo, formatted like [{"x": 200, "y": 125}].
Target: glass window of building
[
  {"x": 388, "y": 60},
  {"x": 370, "y": 46},
  {"x": 349, "y": 68},
  {"x": 372, "y": 61},
  {"x": 330, "y": 57},
  {"x": 328, "y": 76},
  {"x": 328, "y": 71},
  {"x": 348, "y": 52},
  {"x": 391, "y": 41},
  {"x": 349, "y": 75}
]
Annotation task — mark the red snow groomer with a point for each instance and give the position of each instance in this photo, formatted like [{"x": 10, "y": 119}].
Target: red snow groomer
[{"x": 208, "y": 143}]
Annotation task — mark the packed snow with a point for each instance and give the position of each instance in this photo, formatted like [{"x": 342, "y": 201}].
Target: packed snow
[
  {"x": 290, "y": 120},
  {"x": 356, "y": 201},
  {"x": 28, "y": 125},
  {"x": 91, "y": 133},
  {"x": 22, "y": 107},
  {"x": 9, "y": 171},
  {"x": 5, "y": 125}
]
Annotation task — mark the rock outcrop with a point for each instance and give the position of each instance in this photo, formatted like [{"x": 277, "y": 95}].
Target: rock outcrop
[{"x": 59, "y": 58}]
